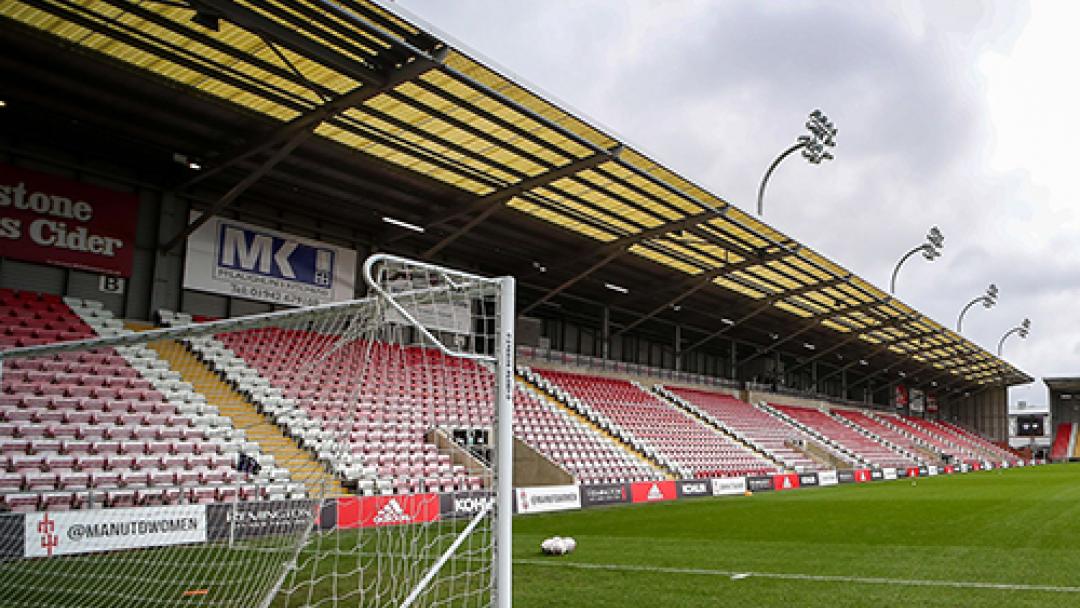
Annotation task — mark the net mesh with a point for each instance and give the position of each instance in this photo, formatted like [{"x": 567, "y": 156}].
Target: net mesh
[{"x": 340, "y": 455}]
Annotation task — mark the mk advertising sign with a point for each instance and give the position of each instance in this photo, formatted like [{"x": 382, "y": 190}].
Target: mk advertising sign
[
  {"x": 237, "y": 259},
  {"x": 50, "y": 533},
  {"x": 51, "y": 220}
]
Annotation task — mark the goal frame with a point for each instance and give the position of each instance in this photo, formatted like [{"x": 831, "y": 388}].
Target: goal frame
[{"x": 502, "y": 358}]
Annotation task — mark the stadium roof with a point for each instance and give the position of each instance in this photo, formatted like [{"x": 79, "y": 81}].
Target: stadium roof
[{"x": 360, "y": 113}]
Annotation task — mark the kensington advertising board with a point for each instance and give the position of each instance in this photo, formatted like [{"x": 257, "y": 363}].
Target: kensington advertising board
[
  {"x": 246, "y": 261},
  {"x": 52, "y": 220},
  {"x": 257, "y": 519},
  {"x": 759, "y": 483},
  {"x": 547, "y": 498},
  {"x": 605, "y": 494},
  {"x": 726, "y": 486},
  {"x": 50, "y": 533}
]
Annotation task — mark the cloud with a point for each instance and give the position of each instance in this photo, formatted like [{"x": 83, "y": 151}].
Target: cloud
[{"x": 924, "y": 95}]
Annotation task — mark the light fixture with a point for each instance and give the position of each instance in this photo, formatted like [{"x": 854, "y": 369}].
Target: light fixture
[
  {"x": 813, "y": 145},
  {"x": 539, "y": 267},
  {"x": 988, "y": 300},
  {"x": 676, "y": 307},
  {"x": 931, "y": 249},
  {"x": 402, "y": 224},
  {"x": 863, "y": 362},
  {"x": 617, "y": 288},
  {"x": 3, "y": 104},
  {"x": 1022, "y": 330},
  {"x": 194, "y": 166},
  {"x": 727, "y": 321},
  {"x": 809, "y": 346}
]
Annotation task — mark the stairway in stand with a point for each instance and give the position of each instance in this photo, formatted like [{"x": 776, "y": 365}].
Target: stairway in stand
[{"x": 302, "y": 464}]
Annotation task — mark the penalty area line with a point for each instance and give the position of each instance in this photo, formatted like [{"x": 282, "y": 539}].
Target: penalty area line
[{"x": 794, "y": 576}]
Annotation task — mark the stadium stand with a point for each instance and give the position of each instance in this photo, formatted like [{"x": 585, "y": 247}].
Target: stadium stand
[
  {"x": 1064, "y": 441},
  {"x": 870, "y": 423},
  {"x": 95, "y": 428},
  {"x": 862, "y": 446},
  {"x": 948, "y": 448},
  {"x": 758, "y": 428},
  {"x": 403, "y": 393},
  {"x": 977, "y": 442},
  {"x": 574, "y": 444},
  {"x": 674, "y": 438}
]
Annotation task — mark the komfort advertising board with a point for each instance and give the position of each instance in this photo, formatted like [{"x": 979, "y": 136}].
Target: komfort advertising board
[
  {"x": 233, "y": 258},
  {"x": 456, "y": 505},
  {"x": 51, "y": 220},
  {"x": 693, "y": 488}
]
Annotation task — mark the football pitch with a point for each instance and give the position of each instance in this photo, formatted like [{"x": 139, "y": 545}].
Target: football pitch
[{"x": 993, "y": 538}]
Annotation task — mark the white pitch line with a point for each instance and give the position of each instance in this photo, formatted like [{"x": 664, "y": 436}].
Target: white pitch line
[{"x": 803, "y": 577}]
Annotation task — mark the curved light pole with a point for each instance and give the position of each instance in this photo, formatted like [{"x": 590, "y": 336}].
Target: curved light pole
[
  {"x": 822, "y": 135},
  {"x": 1022, "y": 329},
  {"x": 988, "y": 300},
  {"x": 931, "y": 249}
]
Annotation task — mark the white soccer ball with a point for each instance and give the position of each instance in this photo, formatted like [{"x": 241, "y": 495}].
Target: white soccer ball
[{"x": 557, "y": 545}]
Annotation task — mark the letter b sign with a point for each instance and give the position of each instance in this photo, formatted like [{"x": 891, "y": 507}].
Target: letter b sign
[{"x": 110, "y": 284}]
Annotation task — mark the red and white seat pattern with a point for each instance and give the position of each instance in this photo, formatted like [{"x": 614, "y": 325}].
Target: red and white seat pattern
[
  {"x": 365, "y": 408},
  {"x": 575, "y": 446},
  {"x": 965, "y": 437},
  {"x": 86, "y": 428},
  {"x": 661, "y": 431},
  {"x": 932, "y": 436},
  {"x": 865, "y": 448},
  {"x": 759, "y": 428},
  {"x": 872, "y": 425}
]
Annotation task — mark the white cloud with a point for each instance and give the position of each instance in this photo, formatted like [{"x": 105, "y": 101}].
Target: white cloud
[{"x": 956, "y": 113}]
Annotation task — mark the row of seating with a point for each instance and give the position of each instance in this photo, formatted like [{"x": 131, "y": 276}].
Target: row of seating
[
  {"x": 108, "y": 427},
  {"x": 757, "y": 427},
  {"x": 681, "y": 442}
]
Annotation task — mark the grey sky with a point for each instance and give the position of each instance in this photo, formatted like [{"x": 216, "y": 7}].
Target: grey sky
[{"x": 946, "y": 110}]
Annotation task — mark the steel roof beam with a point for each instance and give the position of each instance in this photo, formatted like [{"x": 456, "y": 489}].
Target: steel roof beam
[
  {"x": 703, "y": 280},
  {"x": 618, "y": 248},
  {"x": 294, "y": 132},
  {"x": 489, "y": 204}
]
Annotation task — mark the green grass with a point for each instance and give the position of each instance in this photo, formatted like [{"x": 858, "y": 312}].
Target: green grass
[
  {"x": 1020, "y": 526},
  {"x": 1015, "y": 527}
]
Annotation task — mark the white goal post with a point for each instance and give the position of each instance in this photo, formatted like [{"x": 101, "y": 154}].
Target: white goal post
[{"x": 350, "y": 454}]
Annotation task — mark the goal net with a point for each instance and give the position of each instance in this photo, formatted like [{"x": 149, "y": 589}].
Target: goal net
[{"x": 349, "y": 454}]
